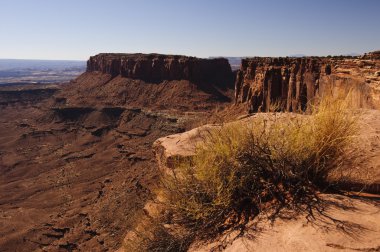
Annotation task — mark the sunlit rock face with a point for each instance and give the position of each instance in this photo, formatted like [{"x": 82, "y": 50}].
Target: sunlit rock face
[{"x": 296, "y": 83}]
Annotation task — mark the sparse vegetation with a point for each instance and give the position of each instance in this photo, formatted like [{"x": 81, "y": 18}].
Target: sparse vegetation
[
  {"x": 151, "y": 234},
  {"x": 245, "y": 168}
]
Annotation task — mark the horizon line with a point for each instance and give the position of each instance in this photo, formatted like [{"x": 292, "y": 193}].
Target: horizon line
[
  {"x": 34, "y": 59},
  {"x": 245, "y": 56}
]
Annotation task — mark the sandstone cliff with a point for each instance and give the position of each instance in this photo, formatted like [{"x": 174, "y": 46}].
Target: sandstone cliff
[
  {"x": 293, "y": 83},
  {"x": 157, "y": 67},
  {"x": 152, "y": 81}
]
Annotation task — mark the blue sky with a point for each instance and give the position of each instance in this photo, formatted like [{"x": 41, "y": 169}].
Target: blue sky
[{"x": 77, "y": 29}]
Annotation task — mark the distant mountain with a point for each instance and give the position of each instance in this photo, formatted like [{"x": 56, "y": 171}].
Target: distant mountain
[{"x": 39, "y": 71}]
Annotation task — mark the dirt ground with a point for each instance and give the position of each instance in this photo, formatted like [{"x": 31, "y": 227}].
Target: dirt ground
[{"x": 76, "y": 163}]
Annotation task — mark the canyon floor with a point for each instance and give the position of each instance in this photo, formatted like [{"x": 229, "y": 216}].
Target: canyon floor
[{"x": 71, "y": 178}]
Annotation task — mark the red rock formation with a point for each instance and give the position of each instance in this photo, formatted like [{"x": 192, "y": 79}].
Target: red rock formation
[
  {"x": 157, "y": 68},
  {"x": 295, "y": 82}
]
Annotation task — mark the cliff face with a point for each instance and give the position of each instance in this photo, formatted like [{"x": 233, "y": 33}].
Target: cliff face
[
  {"x": 293, "y": 83},
  {"x": 157, "y": 68},
  {"x": 152, "y": 81}
]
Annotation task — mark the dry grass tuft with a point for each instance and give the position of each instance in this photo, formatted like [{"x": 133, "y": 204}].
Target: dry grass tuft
[{"x": 151, "y": 234}]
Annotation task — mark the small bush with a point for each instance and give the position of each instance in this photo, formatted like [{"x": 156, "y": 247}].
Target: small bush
[
  {"x": 151, "y": 235},
  {"x": 272, "y": 162}
]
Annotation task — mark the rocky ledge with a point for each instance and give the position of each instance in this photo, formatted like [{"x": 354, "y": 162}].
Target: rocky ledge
[
  {"x": 293, "y": 83},
  {"x": 356, "y": 218},
  {"x": 157, "y": 67},
  {"x": 365, "y": 177}
]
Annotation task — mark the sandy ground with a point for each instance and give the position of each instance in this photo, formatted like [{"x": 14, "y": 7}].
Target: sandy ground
[{"x": 346, "y": 224}]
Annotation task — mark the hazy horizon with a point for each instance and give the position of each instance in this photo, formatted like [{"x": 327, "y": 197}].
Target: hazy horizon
[
  {"x": 214, "y": 56},
  {"x": 36, "y": 59},
  {"x": 75, "y": 30}
]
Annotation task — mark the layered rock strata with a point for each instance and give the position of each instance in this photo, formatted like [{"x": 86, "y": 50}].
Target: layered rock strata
[{"x": 157, "y": 67}]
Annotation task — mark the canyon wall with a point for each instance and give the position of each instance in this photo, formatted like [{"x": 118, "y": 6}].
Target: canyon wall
[
  {"x": 156, "y": 68},
  {"x": 262, "y": 83},
  {"x": 292, "y": 84}
]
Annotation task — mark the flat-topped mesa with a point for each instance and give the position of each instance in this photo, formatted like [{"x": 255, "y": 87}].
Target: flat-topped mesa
[
  {"x": 292, "y": 84},
  {"x": 157, "y": 67}
]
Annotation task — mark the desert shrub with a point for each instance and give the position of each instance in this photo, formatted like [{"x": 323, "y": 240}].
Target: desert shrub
[
  {"x": 275, "y": 161},
  {"x": 243, "y": 168}
]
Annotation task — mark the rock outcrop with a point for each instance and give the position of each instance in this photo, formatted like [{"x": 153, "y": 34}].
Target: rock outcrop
[
  {"x": 345, "y": 224},
  {"x": 372, "y": 55},
  {"x": 157, "y": 67},
  {"x": 293, "y": 83},
  {"x": 365, "y": 177},
  {"x": 152, "y": 81}
]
